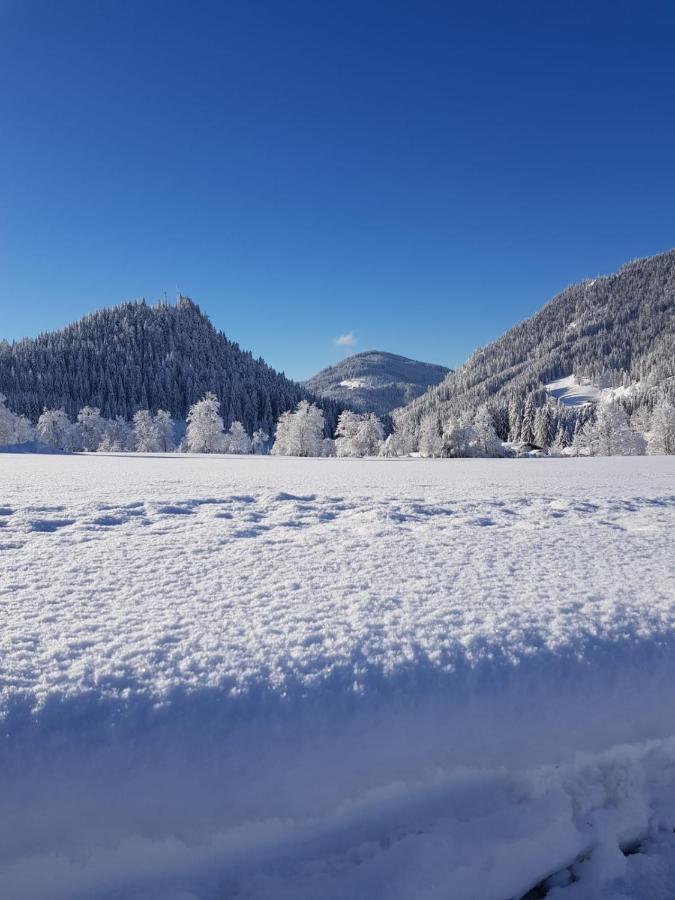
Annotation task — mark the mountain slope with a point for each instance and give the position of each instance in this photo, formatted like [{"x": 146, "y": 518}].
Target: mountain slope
[
  {"x": 375, "y": 382},
  {"x": 610, "y": 331},
  {"x": 137, "y": 356}
]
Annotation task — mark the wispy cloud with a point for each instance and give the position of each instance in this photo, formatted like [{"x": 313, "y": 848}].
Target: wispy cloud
[{"x": 346, "y": 340}]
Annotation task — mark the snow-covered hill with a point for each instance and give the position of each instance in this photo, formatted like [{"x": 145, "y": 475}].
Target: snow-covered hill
[
  {"x": 135, "y": 356},
  {"x": 614, "y": 331},
  {"x": 284, "y": 679},
  {"x": 375, "y": 382}
]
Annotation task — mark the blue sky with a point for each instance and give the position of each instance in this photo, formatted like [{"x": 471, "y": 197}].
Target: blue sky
[{"x": 418, "y": 175}]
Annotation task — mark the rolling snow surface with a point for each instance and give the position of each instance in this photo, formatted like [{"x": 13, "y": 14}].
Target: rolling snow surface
[{"x": 280, "y": 678}]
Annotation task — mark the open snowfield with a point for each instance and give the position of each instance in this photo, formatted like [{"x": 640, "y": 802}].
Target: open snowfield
[{"x": 336, "y": 678}]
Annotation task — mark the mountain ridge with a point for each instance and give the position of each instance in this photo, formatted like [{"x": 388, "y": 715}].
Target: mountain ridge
[
  {"x": 614, "y": 329},
  {"x": 375, "y": 380}
]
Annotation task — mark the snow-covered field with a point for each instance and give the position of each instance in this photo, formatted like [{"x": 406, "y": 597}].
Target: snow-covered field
[{"x": 336, "y": 678}]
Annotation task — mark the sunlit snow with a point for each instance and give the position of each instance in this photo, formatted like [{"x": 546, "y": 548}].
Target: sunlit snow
[{"x": 337, "y": 678}]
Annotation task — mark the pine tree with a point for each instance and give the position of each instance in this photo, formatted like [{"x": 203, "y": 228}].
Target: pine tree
[
  {"x": 543, "y": 425},
  {"x": 528, "y": 422}
]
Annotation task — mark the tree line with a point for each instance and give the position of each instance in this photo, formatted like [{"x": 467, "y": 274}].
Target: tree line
[{"x": 606, "y": 431}]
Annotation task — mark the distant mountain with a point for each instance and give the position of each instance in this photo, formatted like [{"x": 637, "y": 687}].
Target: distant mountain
[
  {"x": 375, "y": 381},
  {"x": 614, "y": 331},
  {"x": 136, "y": 356}
]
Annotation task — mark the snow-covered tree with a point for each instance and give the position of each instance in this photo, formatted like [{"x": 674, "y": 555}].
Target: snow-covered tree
[
  {"x": 515, "y": 414},
  {"x": 236, "y": 439},
  {"x": 14, "y": 429},
  {"x": 345, "y": 432},
  {"x": 430, "y": 440},
  {"x": 259, "y": 440},
  {"x": 8, "y": 423},
  {"x": 204, "y": 432},
  {"x": 146, "y": 437},
  {"x": 543, "y": 426},
  {"x": 484, "y": 435},
  {"x": 401, "y": 442},
  {"x": 371, "y": 435},
  {"x": 559, "y": 441},
  {"x": 300, "y": 433},
  {"x": 459, "y": 438},
  {"x": 120, "y": 434},
  {"x": 55, "y": 429},
  {"x": 661, "y": 436},
  {"x": 528, "y": 420},
  {"x": 358, "y": 434},
  {"x": 610, "y": 434},
  {"x": 164, "y": 426},
  {"x": 283, "y": 435},
  {"x": 91, "y": 427}
]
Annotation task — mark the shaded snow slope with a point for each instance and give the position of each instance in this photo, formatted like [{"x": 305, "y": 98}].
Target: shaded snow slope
[
  {"x": 268, "y": 678},
  {"x": 374, "y": 381},
  {"x": 574, "y": 392}
]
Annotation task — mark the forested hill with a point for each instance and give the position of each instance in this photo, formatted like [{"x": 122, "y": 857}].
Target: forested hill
[
  {"x": 376, "y": 382},
  {"x": 136, "y": 356},
  {"x": 613, "y": 331}
]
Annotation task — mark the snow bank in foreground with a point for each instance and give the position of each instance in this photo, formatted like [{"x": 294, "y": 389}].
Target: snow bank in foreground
[{"x": 336, "y": 678}]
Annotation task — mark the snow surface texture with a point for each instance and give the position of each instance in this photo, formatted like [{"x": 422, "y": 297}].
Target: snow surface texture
[{"x": 284, "y": 678}]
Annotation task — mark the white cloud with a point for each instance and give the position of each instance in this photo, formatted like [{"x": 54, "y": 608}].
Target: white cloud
[{"x": 346, "y": 340}]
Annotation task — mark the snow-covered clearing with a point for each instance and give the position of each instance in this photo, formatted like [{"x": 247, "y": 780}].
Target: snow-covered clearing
[
  {"x": 572, "y": 392},
  {"x": 284, "y": 678}
]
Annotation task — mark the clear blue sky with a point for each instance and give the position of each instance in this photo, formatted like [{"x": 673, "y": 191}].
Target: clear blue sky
[{"x": 420, "y": 174}]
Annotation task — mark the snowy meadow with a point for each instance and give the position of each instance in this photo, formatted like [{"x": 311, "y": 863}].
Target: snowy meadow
[{"x": 264, "y": 677}]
